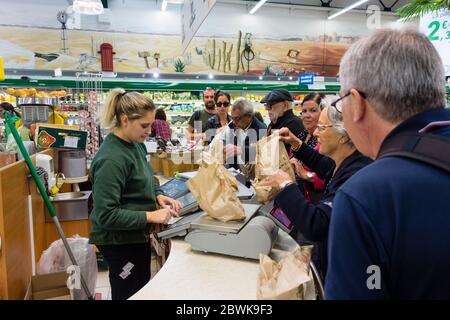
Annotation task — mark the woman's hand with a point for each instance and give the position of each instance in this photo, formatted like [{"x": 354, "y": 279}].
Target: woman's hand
[
  {"x": 161, "y": 216},
  {"x": 277, "y": 181},
  {"x": 298, "y": 168},
  {"x": 287, "y": 136},
  {"x": 164, "y": 202}
]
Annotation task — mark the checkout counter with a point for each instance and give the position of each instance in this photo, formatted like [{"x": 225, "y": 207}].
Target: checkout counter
[{"x": 210, "y": 259}]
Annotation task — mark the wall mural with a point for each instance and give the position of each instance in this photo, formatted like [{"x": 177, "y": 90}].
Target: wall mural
[{"x": 36, "y": 48}]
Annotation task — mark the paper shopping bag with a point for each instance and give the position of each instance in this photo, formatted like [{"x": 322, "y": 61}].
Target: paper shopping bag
[
  {"x": 288, "y": 279},
  {"x": 216, "y": 190},
  {"x": 271, "y": 156}
]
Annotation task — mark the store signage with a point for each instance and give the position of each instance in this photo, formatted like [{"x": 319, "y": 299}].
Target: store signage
[
  {"x": 436, "y": 26},
  {"x": 193, "y": 13},
  {"x": 306, "y": 78}
]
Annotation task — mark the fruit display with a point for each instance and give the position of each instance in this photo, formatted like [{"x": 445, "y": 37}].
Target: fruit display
[{"x": 34, "y": 93}]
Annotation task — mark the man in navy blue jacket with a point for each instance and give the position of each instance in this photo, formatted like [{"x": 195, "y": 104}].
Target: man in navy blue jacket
[{"x": 390, "y": 229}]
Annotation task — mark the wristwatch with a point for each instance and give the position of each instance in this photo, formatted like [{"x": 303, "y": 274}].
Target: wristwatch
[{"x": 310, "y": 175}]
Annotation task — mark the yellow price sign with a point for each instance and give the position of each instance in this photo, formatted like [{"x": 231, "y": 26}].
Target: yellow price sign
[{"x": 2, "y": 70}]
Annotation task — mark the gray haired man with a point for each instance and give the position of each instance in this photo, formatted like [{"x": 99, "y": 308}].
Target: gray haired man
[{"x": 389, "y": 234}]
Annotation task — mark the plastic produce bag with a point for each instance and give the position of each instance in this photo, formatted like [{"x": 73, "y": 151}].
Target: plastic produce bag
[
  {"x": 215, "y": 189},
  {"x": 271, "y": 156},
  {"x": 56, "y": 259},
  {"x": 289, "y": 279}
]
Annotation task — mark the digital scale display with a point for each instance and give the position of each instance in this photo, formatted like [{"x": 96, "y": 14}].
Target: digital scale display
[{"x": 175, "y": 188}]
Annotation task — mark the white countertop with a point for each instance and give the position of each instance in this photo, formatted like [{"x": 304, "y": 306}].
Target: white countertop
[{"x": 193, "y": 275}]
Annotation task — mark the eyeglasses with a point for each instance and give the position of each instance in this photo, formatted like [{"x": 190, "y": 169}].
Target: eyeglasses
[
  {"x": 323, "y": 127},
  {"x": 224, "y": 104},
  {"x": 236, "y": 119},
  {"x": 338, "y": 108}
]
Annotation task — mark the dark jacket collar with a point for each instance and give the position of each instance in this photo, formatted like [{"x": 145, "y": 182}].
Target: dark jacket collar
[{"x": 417, "y": 122}]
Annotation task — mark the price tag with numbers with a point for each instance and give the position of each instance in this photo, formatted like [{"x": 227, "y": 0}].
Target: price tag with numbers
[
  {"x": 436, "y": 26},
  {"x": 71, "y": 142}
]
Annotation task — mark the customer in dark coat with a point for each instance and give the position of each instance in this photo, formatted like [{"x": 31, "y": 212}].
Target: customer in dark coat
[
  {"x": 336, "y": 161},
  {"x": 278, "y": 103},
  {"x": 389, "y": 235}
]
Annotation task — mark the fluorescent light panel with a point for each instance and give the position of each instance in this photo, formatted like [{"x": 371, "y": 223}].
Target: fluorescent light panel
[
  {"x": 164, "y": 5},
  {"x": 356, "y": 4},
  {"x": 257, "y": 6}
]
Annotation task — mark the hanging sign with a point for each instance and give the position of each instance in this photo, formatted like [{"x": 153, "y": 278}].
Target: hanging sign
[{"x": 193, "y": 14}]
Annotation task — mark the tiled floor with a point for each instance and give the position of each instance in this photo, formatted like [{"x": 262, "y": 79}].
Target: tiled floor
[{"x": 103, "y": 288}]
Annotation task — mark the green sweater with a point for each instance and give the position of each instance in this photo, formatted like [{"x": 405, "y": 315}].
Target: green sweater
[{"x": 123, "y": 190}]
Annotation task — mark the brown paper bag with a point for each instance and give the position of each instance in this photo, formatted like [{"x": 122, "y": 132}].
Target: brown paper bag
[
  {"x": 216, "y": 150},
  {"x": 215, "y": 190},
  {"x": 271, "y": 156},
  {"x": 289, "y": 279}
]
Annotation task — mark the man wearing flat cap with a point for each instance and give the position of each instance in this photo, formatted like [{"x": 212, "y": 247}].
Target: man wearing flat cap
[{"x": 279, "y": 105}]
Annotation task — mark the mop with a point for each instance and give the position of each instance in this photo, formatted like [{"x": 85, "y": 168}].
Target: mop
[{"x": 43, "y": 192}]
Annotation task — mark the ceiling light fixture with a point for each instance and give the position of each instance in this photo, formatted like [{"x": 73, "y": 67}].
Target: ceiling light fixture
[
  {"x": 350, "y": 7},
  {"x": 89, "y": 7},
  {"x": 164, "y": 5},
  {"x": 257, "y": 6}
]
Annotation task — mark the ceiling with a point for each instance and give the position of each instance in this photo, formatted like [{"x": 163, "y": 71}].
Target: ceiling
[{"x": 393, "y": 4}]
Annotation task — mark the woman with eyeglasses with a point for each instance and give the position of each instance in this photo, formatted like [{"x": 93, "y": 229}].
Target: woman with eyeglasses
[
  {"x": 335, "y": 162},
  {"x": 221, "y": 119}
]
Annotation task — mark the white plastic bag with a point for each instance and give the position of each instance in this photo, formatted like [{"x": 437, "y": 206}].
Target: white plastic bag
[{"x": 56, "y": 259}]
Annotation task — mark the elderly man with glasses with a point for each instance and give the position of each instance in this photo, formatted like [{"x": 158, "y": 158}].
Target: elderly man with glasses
[
  {"x": 389, "y": 235},
  {"x": 240, "y": 136},
  {"x": 278, "y": 104}
]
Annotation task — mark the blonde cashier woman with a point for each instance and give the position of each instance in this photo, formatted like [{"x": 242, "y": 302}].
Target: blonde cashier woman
[{"x": 125, "y": 193}]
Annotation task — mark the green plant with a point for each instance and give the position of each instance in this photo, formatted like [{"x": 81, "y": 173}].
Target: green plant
[
  {"x": 417, "y": 8},
  {"x": 179, "y": 65}
]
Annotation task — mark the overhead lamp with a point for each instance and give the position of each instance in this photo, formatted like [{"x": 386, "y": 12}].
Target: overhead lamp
[
  {"x": 164, "y": 5},
  {"x": 210, "y": 76},
  {"x": 257, "y": 6},
  {"x": 350, "y": 7},
  {"x": 260, "y": 77},
  {"x": 156, "y": 75},
  {"x": 89, "y": 7}
]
